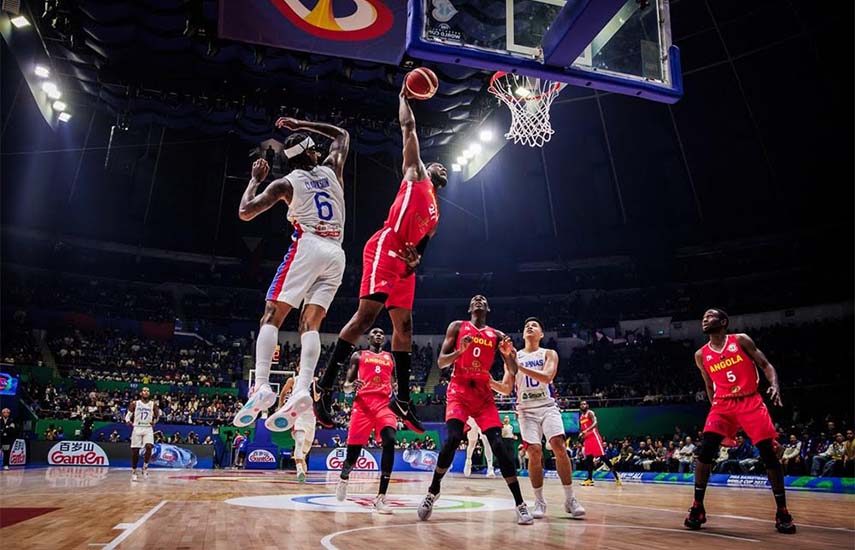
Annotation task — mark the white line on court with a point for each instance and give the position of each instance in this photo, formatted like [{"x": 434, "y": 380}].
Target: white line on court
[
  {"x": 326, "y": 542},
  {"x": 133, "y": 527},
  {"x": 744, "y": 518}
]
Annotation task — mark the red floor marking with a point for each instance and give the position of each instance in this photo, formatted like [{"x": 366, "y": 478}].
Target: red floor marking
[{"x": 11, "y": 516}]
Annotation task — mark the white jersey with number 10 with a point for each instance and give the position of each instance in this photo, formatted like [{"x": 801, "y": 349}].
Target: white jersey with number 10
[{"x": 530, "y": 392}]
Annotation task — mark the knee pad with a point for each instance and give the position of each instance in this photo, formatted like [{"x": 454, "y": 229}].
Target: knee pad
[
  {"x": 709, "y": 448},
  {"x": 768, "y": 454}
]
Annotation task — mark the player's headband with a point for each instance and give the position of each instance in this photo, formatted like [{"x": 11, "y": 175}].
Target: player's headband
[{"x": 300, "y": 148}]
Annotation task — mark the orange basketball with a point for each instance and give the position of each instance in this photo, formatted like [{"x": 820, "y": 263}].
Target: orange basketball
[{"x": 421, "y": 83}]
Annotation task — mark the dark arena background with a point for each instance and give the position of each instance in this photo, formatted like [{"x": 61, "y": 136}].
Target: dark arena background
[{"x": 623, "y": 170}]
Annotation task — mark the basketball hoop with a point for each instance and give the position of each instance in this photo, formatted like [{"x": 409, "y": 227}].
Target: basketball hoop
[{"x": 529, "y": 99}]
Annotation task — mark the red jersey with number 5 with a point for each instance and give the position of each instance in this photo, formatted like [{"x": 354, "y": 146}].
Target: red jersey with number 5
[
  {"x": 414, "y": 213},
  {"x": 731, "y": 370},
  {"x": 476, "y": 361},
  {"x": 375, "y": 370}
]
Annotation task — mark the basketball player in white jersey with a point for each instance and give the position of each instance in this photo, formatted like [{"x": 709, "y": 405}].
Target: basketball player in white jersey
[
  {"x": 473, "y": 435},
  {"x": 304, "y": 429},
  {"x": 313, "y": 267},
  {"x": 142, "y": 415},
  {"x": 539, "y": 415}
]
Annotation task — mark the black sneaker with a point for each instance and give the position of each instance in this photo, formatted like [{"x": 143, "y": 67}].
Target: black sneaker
[
  {"x": 323, "y": 407},
  {"x": 697, "y": 517},
  {"x": 784, "y": 522},
  {"x": 404, "y": 411}
]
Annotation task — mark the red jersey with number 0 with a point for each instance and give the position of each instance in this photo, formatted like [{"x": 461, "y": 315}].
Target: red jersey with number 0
[
  {"x": 415, "y": 212},
  {"x": 476, "y": 361},
  {"x": 375, "y": 370},
  {"x": 731, "y": 370}
]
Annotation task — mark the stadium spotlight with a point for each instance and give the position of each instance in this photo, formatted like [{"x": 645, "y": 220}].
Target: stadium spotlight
[
  {"x": 486, "y": 135},
  {"x": 475, "y": 148},
  {"x": 59, "y": 106},
  {"x": 462, "y": 160},
  {"x": 20, "y": 22},
  {"x": 42, "y": 71},
  {"x": 64, "y": 117},
  {"x": 456, "y": 167},
  {"x": 51, "y": 90}
]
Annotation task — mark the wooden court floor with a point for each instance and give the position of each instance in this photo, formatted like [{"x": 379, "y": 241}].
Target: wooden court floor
[{"x": 100, "y": 509}]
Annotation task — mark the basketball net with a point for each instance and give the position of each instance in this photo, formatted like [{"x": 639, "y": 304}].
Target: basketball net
[{"x": 529, "y": 99}]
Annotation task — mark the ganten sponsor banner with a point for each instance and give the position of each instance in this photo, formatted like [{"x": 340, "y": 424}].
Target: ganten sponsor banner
[
  {"x": 18, "y": 453},
  {"x": 335, "y": 460},
  {"x": 261, "y": 455},
  {"x": 77, "y": 453},
  {"x": 371, "y": 30}
]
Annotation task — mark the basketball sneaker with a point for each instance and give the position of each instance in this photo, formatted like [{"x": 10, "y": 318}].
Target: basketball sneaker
[
  {"x": 323, "y": 407},
  {"x": 283, "y": 419},
  {"x": 341, "y": 490},
  {"x": 588, "y": 483},
  {"x": 381, "y": 506},
  {"x": 426, "y": 507},
  {"x": 261, "y": 399},
  {"x": 697, "y": 517},
  {"x": 539, "y": 510},
  {"x": 523, "y": 515},
  {"x": 301, "y": 473},
  {"x": 404, "y": 411},
  {"x": 491, "y": 472},
  {"x": 467, "y": 468},
  {"x": 618, "y": 483},
  {"x": 784, "y": 522},
  {"x": 135, "y": 477},
  {"x": 572, "y": 507},
  {"x": 145, "y": 473}
]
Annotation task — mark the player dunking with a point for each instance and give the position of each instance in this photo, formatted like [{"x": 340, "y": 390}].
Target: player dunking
[
  {"x": 304, "y": 429},
  {"x": 473, "y": 434},
  {"x": 728, "y": 364},
  {"x": 142, "y": 415},
  {"x": 539, "y": 415},
  {"x": 594, "y": 447},
  {"x": 471, "y": 347},
  {"x": 388, "y": 264},
  {"x": 370, "y": 375},
  {"x": 313, "y": 267}
]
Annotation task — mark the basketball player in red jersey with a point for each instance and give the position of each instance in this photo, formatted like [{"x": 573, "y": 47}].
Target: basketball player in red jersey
[
  {"x": 728, "y": 364},
  {"x": 370, "y": 375},
  {"x": 471, "y": 347},
  {"x": 389, "y": 261},
  {"x": 589, "y": 433}
]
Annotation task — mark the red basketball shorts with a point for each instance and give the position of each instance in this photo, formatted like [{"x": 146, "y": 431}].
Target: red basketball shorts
[
  {"x": 473, "y": 398},
  {"x": 369, "y": 414},
  {"x": 749, "y": 413}
]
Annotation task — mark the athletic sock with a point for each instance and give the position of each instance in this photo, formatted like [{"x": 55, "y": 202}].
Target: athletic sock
[
  {"x": 310, "y": 351},
  {"x": 435, "y": 483},
  {"x": 514, "y": 486},
  {"x": 403, "y": 361},
  {"x": 384, "y": 483},
  {"x": 699, "y": 496},
  {"x": 341, "y": 355},
  {"x": 568, "y": 491},
  {"x": 538, "y": 493},
  {"x": 265, "y": 345},
  {"x": 781, "y": 500}
]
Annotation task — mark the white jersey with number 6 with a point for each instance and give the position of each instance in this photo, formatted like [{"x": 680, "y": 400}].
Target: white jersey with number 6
[{"x": 317, "y": 205}]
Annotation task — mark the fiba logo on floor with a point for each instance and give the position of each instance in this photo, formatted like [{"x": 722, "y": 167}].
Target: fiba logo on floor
[
  {"x": 261, "y": 455},
  {"x": 335, "y": 460},
  {"x": 77, "y": 453}
]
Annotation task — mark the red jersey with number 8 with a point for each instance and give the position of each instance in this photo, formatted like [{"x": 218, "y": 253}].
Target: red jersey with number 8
[
  {"x": 731, "y": 370},
  {"x": 475, "y": 362},
  {"x": 375, "y": 370}
]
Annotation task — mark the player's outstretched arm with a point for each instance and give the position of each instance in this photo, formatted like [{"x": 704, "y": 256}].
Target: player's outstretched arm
[
  {"x": 699, "y": 362},
  {"x": 506, "y": 386},
  {"x": 774, "y": 391},
  {"x": 251, "y": 205},
  {"x": 447, "y": 354},
  {"x": 412, "y": 168},
  {"x": 338, "y": 150}
]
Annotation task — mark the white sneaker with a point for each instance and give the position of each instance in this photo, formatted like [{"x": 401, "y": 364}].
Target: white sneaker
[
  {"x": 381, "y": 506},
  {"x": 5, "y": 467},
  {"x": 301, "y": 473},
  {"x": 426, "y": 507},
  {"x": 523, "y": 516},
  {"x": 145, "y": 473},
  {"x": 491, "y": 472},
  {"x": 467, "y": 468},
  {"x": 572, "y": 506},
  {"x": 262, "y": 399},
  {"x": 539, "y": 509},
  {"x": 284, "y": 419},
  {"x": 341, "y": 490},
  {"x": 135, "y": 477}
]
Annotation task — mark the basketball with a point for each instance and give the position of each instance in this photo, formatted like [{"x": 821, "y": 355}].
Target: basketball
[{"x": 422, "y": 83}]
